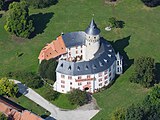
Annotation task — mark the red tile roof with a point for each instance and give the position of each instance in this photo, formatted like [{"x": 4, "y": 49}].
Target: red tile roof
[{"x": 53, "y": 50}]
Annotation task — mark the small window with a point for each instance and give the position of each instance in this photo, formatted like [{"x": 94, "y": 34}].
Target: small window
[
  {"x": 105, "y": 72},
  {"x": 71, "y": 88},
  {"x": 117, "y": 62},
  {"x": 88, "y": 76},
  {"x": 79, "y": 77},
  {"x": 62, "y": 86},
  {"x": 100, "y": 80},
  {"x": 70, "y": 83},
  {"x": 79, "y": 83},
  {"x": 76, "y": 52},
  {"x": 62, "y": 76},
  {"x": 100, "y": 84},
  {"x": 94, "y": 37},
  {"x": 88, "y": 83},
  {"x": 62, "y": 81},
  {"x": 78, "y": 68},
  {"x": 106, "y": 82},
  {"x": 70, "y": 77},
  {"x": 105, "y": 77}
]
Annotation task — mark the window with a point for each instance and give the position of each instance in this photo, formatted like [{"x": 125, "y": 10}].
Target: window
[
  {"x": 100, "y": 80},
  {"x": 88, "y": 76},
  {"x": 100, "y": 74},
  {"x": 70, "y": 83},
  {"x": 76, "y": 52},
  {"x": 69, "y": 53},
  {"x": 81, "y": 51},
  {"x": 94, "y": 37},
  {"x": 109, "y": 69},
  {"x": 62, "y": 76},
  {"x": 70, "y": 77},
  {"x": 117, "y": 62},
  {"x": 118, "y": 69},
  {"x": 109, "y": 74},
  {"x": 79, "y": 77},
  {"x": 62, "y": 81},
  {"x": 71, "y": 88},
  {"x": 105, "y": 77},
  {"x": 88, "y": 82},
  {"x": 62, "y": 86},
  {"x": 100, "y": 84},
  {"x": 79, "y": 83},
  {"x": 106, "y": 82},
  {"x": 76, "y": 47}
]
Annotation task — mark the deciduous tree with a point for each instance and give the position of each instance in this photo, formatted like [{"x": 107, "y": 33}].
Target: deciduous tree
[{"x": 18, "y": 21}]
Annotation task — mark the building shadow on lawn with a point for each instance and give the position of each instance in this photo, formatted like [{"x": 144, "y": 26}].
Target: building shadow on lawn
[
  {"x": 157, "y": 72},
  {"x": 40, "y": 21},
  {"x": 119, "y": 46}
]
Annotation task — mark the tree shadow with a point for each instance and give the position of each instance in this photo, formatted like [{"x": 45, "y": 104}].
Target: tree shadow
[
  {"x": 119, "y": 46},
  {"x": 40, "y": 21},
  {"x": 0, "y": 15},
  {"x": 121, "y": 24},
  {"x": 157, "y": 72}
]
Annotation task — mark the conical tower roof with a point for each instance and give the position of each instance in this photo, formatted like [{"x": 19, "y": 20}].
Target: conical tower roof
[{"x": 92, "y": 29}]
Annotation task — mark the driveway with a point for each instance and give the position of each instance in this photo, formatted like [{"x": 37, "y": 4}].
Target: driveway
[{"x": 56, "y": 113}]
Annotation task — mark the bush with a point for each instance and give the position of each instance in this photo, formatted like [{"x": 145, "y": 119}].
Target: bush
[
  {"x": 41, "y": 3},
  {"x": 78, "y": 97},
  {"x": 50, "y": 94},
  {"x": 17, "y": 20},
  {"x": 8, "y": 87},
  {"x": 29, "y": 78},
  {"x": 47, "y": 69},
  {"x": 1, "y": 4},
  {"x": 116, "y": 23},
  {"x": 144, "y": 71},
  {"x": 151, "y": 3},
  {"x": 3, "y": 117}
]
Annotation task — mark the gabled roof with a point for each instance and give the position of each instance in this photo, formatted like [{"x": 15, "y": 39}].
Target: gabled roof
[
  {"x": 92, "y": 29},
  {"x": 53, "y": 50}
]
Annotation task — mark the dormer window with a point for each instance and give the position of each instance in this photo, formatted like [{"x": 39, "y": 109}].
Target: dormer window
[
  {"x": 109, "y": 55},
  {"x": 78, "y": 68},
  {"x": 62, "y": 65},
  {"x": 86, "y": 67},
  {"x": 69, "y": 68},
  {"x": 94, "y": 67},
  {"x": 105, "y": 60},
  {"x": 100, "y": 63}
]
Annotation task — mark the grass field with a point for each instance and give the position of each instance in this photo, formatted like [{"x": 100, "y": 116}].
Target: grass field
[
  {"x": 62, "y": 100},
  {"x": 141, "y": 24},
  {"x": 31, "y": 106}
]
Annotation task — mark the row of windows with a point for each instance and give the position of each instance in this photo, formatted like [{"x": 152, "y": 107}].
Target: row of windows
[
  {"x": 79, "y": 77},
  {"x": 75, "y": 47},
  {"x": 76, "y": 52}
]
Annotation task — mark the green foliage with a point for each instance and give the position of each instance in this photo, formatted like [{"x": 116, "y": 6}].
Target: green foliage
[
  {"x": 119, "y": 114},
  {"x": 78, "y": 97},
  {"x": 144, "y": 71},
  {"x": 151, "y": 3},
  {"x": 31, "y": 79},
  {"x": 116, "y": 23},
  {"x": 47, "y": 69},
  {"x": 8, "y": 87},
  {"x": 41, "y": 3},
  {"x": 17, "y": 20},
  {"x": 1, "y": 4},
  {"x": 50, "y": 94},
  {"x": 3, "y": 117}
]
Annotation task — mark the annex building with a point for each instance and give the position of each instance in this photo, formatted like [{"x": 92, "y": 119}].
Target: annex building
[{"x": 85, "y": 60}]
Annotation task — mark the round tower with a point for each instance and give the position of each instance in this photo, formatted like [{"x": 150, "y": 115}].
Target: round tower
[{"x": 92, "y": 40}]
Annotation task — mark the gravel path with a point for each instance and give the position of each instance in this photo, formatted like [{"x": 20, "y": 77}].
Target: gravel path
[{"x": 85, "y": 112}]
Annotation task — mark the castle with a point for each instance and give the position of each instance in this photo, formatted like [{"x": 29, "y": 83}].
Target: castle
[{"x": 85, "y": 60}]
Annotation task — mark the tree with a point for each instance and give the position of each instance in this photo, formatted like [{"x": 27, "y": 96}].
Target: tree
[
  {"x": 144, "y": 71},
  {"x": 119, "y": 114},
  {"x": 78, "y": 97},
  {"x": 18, "y": 21},
  {"x": 1, "y": 4},
  {"x": 47, "y": 69},
  {"x": 41, "y": 3},
  {"x": 151, "y": 3},
  {"x": 50, "y": 94},
  {"x": 116, "y": 23},
  {"x": 8, "y": 87},
  {"x": 135, "y": 113}
]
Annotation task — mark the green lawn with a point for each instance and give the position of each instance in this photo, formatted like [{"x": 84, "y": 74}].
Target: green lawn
[
  {"x": 62, "y": 101},
  {"x": 31, "y": 106},
  {"x": 141, "y": 23}
]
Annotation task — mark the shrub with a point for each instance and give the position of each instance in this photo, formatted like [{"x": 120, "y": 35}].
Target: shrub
[
  {"x": 47, "y": 69},
  {"x": 1, "y": 4},
  {"x": 78, "y": 97},
  {"x": 41, "y": 3},
  {"x": 50, "y": 94}
]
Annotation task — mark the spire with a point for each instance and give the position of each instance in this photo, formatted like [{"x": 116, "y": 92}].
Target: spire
[{"x": 92, "y": 29}]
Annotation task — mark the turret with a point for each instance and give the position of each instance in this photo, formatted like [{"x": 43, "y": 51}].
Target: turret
[
  {"x": 92, "y": 40},
  {"x": 119, "y": 67}
]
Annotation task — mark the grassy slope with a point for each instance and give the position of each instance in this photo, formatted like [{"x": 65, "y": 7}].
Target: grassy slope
[
  {"x": 141, "y": 23},
  {"x": 31, "y": 106}
]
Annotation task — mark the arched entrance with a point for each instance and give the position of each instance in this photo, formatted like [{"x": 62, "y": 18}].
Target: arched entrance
[{"x": 87, "y": 88}]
